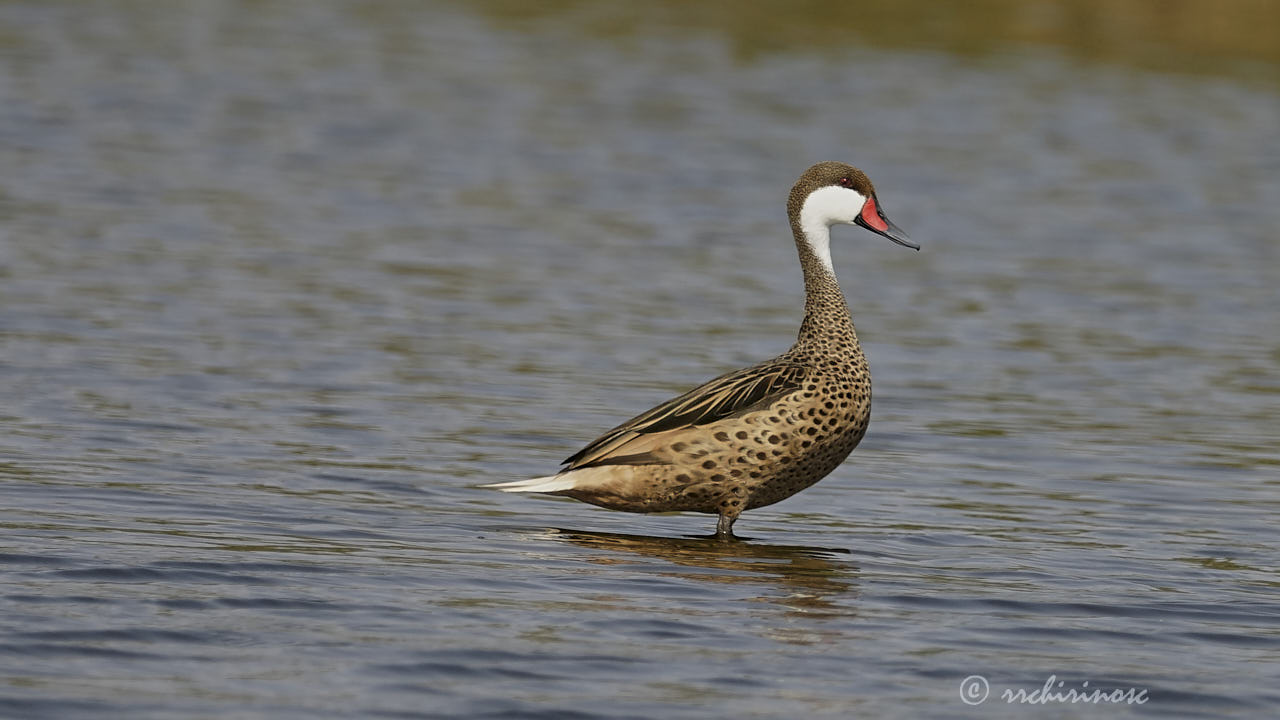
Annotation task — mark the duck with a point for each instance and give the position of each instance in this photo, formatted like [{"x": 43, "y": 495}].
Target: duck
[{"x": 755, "y": 436}]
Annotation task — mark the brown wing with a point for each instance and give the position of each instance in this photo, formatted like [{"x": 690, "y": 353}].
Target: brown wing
[{"x": 729, "y": 395}]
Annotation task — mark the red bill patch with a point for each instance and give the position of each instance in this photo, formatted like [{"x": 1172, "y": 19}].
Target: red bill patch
[{"x": 871, "y": 216}]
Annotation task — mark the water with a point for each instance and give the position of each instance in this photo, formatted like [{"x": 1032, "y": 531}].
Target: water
[{"x": 283, "y": 282}]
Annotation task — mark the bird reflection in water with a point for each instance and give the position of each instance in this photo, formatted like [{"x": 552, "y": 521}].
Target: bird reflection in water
[{"x": 813, "y": 580}]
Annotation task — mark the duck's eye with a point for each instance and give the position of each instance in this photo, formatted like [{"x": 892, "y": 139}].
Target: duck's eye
[{"x": 846, "y": 182}]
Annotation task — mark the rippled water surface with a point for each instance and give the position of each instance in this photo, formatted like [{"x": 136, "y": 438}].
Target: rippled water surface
[{"x": 282, "y": 283}]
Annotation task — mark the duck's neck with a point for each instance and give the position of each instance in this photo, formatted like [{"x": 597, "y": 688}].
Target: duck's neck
[{"x": 826, "y": 314}]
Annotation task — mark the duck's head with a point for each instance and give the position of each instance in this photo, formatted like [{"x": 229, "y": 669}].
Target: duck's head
[{"x": 832, "y": 192}]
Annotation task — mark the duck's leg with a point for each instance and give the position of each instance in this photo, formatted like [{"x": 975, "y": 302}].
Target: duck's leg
[{"x": 724, "y": 527}]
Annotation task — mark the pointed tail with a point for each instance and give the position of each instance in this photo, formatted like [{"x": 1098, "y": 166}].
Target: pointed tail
[{"x": 551, "y": 483}]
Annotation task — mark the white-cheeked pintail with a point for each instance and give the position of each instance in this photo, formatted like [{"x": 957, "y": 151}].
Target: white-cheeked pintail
[{"x": 758, "y": 435}]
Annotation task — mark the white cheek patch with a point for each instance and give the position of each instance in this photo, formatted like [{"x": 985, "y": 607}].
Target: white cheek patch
[
  {"x": 823, "y": 208},
  {"x": 829, "y": 205}
]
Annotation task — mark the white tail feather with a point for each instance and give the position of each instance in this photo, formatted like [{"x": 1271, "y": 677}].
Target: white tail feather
[
  {"x": 591, "y": 477},
  {"x": 551, "y": 483}
]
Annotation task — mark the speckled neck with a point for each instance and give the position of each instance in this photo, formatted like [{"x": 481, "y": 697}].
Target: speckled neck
[{"x": 826, "y": 314}]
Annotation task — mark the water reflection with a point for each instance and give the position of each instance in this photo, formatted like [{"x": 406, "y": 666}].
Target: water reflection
[{"x": 812, "y": 579}]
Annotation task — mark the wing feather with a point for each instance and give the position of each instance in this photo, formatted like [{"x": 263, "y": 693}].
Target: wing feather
[{"x": 729, "y": 395}]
